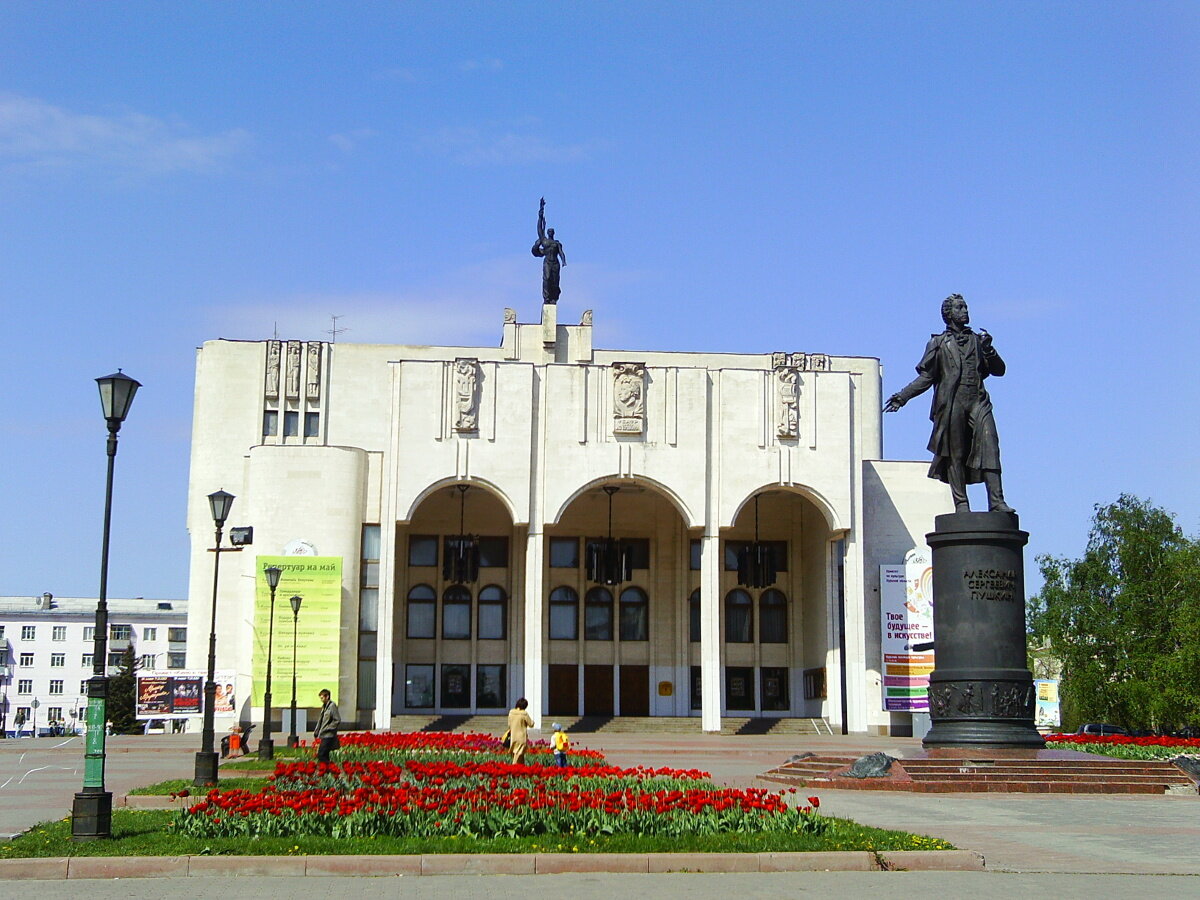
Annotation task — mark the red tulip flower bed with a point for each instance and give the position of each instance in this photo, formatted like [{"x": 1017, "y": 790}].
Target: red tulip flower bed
[
  {"x": 1125, "y": 747},
  {"x": 442, "y": 785}
]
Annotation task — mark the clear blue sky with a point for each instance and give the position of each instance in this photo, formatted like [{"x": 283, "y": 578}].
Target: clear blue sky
[{"x": 735, "y": 177}]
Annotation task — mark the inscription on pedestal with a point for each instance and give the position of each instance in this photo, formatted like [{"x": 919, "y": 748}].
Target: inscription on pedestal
[{"x": 991, "y": 584}]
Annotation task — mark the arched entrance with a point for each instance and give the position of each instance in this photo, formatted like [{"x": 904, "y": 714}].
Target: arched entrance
[
  {"x": 614, "y": 642},
  {"x": 456, "y": 635},
  {"x": 775, "y": 631}
]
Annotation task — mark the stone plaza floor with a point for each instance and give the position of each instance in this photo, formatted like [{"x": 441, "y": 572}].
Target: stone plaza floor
[{"x": 1015, "y": 833}]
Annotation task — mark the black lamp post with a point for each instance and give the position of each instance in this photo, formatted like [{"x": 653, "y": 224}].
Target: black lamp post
[
  {"x": 266, "y": 746},
  {"x": 91, "y": 812},
  {"x": 293, "y": 738},
  {"x": 206, "y": 759}
]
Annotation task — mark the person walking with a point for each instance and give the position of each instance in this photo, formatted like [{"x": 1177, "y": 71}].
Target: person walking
[
  {"x": 326, "y": 730},
  {"x": 519, "y": 724}
]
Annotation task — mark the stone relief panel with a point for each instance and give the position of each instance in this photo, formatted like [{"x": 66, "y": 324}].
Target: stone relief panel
[
  {"x": 313, "y": 381},
  {"x": 629, "y": 398},
  {"x": 803, "y": 362},
  {"x": 510, "y": 315},
  {"x": 465, "y": 399},
  {"x": 787, "y": 402},
  {"x": 274, "y": 349},
  {"x": 293, "y": 370}
]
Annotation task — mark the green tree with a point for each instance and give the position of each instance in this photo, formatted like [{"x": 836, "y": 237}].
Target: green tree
[
  {"x": 1125, "y": 620},
  {"x": 122, "y": 688}
]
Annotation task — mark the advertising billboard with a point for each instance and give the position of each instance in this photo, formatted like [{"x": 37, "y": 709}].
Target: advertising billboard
[
  {"x": 179, "y": 693},
  {"x": 905, "y": 619}
]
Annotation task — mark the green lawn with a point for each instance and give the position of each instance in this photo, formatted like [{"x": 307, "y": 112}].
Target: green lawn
[{"x": 152, "y": 833}]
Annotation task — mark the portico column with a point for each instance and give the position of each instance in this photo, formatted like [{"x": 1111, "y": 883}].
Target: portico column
[
  {"x": 534, "y": 589},
  {"x": 710, "y": 632},
  {"x": 856, "y": 645}
]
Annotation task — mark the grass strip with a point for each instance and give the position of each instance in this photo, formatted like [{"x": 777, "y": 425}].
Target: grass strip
[
  {"x": 245, "y": 781},
  {"x": 151, "y": 833}
]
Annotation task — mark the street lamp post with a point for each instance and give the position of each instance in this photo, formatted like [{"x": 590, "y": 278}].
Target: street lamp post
[
  {"x": 206, "y": 759},
  {"x": 293, "y": 738},
  {"x": 91, "y": 811},
  {"x": 266, "y": 746}
]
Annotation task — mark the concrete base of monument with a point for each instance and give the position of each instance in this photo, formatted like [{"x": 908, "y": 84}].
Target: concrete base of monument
[{"x": 992, "y": 770}]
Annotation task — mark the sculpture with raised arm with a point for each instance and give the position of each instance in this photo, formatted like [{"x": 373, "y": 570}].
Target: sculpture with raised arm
[
  {"x": 964, "y": 444},
  {"x": 553, "y": 257}
]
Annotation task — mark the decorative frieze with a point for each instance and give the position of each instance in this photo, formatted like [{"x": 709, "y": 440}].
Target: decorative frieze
[
  {"x": 274, "y": 349},
  {"x": 803, "y": 362},
  {"x": 313, "y": 371},
  {"x": 629, "y": 398},
  {"x": 465, "y": 411}
]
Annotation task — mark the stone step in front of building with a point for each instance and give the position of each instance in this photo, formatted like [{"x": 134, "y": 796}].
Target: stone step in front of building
[
  {"x": 1084, "y": 774},
  {"x": 492, "y": 724}
]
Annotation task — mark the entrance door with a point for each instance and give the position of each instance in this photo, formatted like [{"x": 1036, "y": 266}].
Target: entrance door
[
  {"x": 563, "y": 693},
  {"x": 635, "y": 690},
  {"x": 597, "y": 690}
]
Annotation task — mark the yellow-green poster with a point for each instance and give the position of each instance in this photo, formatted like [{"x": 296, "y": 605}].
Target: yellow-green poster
[{"x": 317, "y": 580}]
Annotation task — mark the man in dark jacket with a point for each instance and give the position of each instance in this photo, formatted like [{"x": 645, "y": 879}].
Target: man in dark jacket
[
  {"x": 964, "y": 444},
  {"x": 327, "y": 727}
]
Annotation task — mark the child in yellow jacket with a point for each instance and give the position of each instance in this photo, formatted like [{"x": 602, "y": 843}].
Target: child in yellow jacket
[{"x": 560, "y": 744}]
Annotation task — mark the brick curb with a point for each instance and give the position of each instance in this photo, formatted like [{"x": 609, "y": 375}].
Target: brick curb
[{"x": 59, "y": 868}]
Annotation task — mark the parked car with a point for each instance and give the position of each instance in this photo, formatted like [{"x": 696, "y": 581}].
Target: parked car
[{"x": 1100, "y": 730}]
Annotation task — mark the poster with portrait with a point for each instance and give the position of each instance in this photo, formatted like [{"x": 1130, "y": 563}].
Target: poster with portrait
[{"x": 179, "y": 693}]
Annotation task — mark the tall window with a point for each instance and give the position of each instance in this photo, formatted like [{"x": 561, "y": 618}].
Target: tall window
[
  {"x": 89, "y": 632},
  {"x": 772, "y": 617},
  {"x": 58, "y": 633},
  {"x": 598, "y": 614},
  {"x": 493, "y": 614},
  {"x": 422, "y": 613},
  {"x": 270, "y": 423},
  {"x": 312, "y": 424},
  {"x": 176, "y": 659},
  {"x": 564, "y": 553},
  {"x": 149, "y": 634},
  {"x": 291, "y": 424},
  {"x": 86, "y": 660},
  {"x": 739, "y": 618},
  {"x": 368, "y": 610},
  {"x": 26, "y": 659},
  {"x": 456, "y": 615},
  {"x": 56, "y": 686},
  {"x": 147, "y": 660},
  {"x": 25, "y": 686},
  {"x": 635, "y": 615},
  {"x": 422, "y": 550},
  {"x": 564, "y": 614},
  {"x": 176, "y": 635},
  {"x": 120, "y": 632},
  {"x": 28, "y": 632},
  {"x": 694, "y": 617},
  {"x": 58, "y": 660},
  {"x": 418, "y": 686}
]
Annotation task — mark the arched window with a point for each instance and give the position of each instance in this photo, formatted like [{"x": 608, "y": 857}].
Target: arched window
[
  {"x": 739, "y": 617},
  {"x": 493, "y": 614},
  {"x": 564, "y": 614},
  {"x": 772, "y": 617},
  {"x": 598, "y": 614},
  {"x": 694, "y": 617},
  {"x": 422, "y": 612},
  {"x": 635, "y": 615},
  {"x": 456, "y": 613}
]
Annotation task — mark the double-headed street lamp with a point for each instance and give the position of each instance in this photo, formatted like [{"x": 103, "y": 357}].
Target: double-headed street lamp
[
  {"x": 266, "y": 746},
  {"x": 91, "y": 811},
  {"x": 206, "y": 760},
  {"x": 293, "y": 738}
]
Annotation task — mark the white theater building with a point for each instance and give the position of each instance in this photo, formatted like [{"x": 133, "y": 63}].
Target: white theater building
[{"x": 358, "y": 451}]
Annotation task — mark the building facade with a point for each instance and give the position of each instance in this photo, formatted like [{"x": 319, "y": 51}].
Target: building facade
[
  {"x": 46, "y": 647},
  {"x": 540, "y": 451}
]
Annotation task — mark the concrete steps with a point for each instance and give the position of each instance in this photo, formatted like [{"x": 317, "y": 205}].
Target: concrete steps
[
  {"x": 1093, "y": 775},
  {"x": 612, "y": 724}
]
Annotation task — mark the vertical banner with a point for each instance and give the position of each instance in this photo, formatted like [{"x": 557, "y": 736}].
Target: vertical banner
[
  {"x": 1046, "y": 710},
  {"x": 906, "y": 618},
  {"x": 318, "y": 581}
]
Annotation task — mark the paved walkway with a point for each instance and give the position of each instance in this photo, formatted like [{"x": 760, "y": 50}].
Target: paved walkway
[{"x": 1014, "y": 832}]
